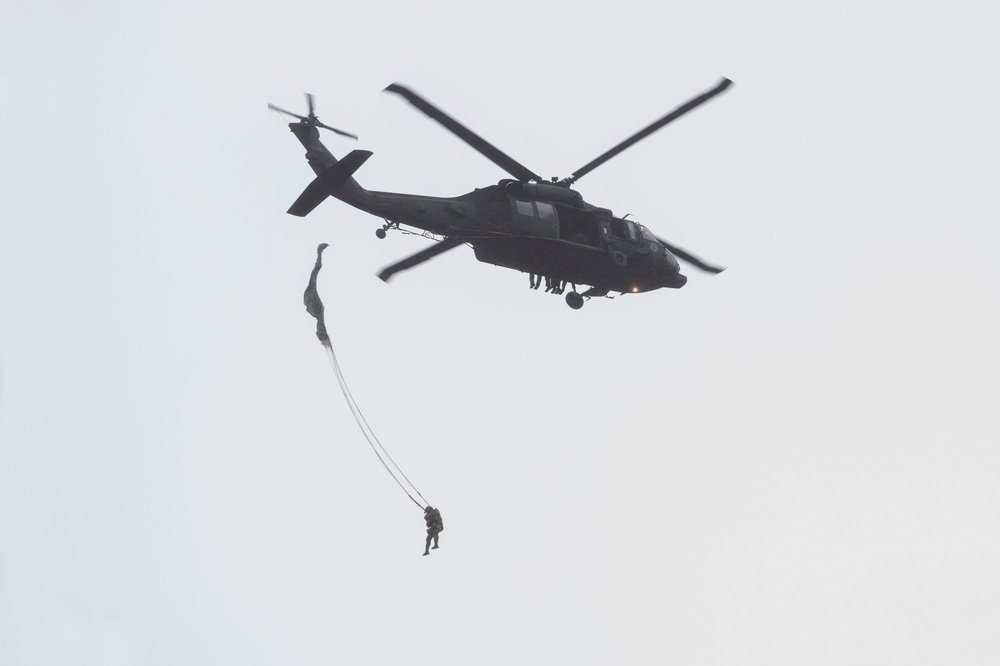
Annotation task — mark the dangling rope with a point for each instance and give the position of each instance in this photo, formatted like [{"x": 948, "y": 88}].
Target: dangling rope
[{"x": 314, "y": 306}]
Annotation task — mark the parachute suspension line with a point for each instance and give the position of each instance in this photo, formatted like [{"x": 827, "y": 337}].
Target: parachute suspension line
[
  {"x": 373, "y": 441},
  {"x": 314, "y": 306}
]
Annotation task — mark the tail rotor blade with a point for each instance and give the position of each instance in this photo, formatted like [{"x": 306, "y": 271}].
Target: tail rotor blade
[
  {"x": 311, "y": 119},
  {"x": 272, "y": 107},
  {"x": 337, "y": 131}
]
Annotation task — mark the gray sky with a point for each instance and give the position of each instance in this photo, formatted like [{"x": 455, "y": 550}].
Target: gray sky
[{"x": 792, "y": 462}]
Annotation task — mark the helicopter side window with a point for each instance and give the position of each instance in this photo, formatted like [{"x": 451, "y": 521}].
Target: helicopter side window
[
  {"x": 525, "y": 219},
  {"x": 546, "y": 211},
  {"x": 625, "y": 229},
  {"x": 524, "y": 208}
]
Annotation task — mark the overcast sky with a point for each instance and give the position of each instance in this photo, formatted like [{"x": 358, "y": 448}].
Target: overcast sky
[{"x": 793, "y": 462}]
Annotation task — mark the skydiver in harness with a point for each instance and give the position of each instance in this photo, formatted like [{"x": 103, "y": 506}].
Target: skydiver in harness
[{"x": 434, "y": 527}]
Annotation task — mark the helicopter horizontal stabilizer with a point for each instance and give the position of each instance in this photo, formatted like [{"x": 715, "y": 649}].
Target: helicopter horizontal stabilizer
[{"x": 327, "y": 182}]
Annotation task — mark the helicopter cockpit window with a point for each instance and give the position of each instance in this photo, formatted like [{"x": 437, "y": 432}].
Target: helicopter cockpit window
[
  {"x": 545, "y": 211},
  {"x": 524, "y": 207},
  {"x": 623, "y": 229},
  {"x": 648, "y": 235}
]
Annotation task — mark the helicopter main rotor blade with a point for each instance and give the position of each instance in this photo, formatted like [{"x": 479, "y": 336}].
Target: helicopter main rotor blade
[
  {"x": 690, "y": 258},
  {"x": 420, "y": 257},
  {"x": 642, "y": 134},
  {"x": 497, "y": 156}
]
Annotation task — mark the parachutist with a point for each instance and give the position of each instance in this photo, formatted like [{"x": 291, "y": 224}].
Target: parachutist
[
  {"x": 434, "y": 527},
  {"x": 311, "y": 299}
]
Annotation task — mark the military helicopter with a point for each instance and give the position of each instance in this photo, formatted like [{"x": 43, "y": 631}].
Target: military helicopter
[{"x": 543, "y": 228}]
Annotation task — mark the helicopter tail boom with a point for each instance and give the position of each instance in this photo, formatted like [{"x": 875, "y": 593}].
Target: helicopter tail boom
[{"x": 328, "y": 182}]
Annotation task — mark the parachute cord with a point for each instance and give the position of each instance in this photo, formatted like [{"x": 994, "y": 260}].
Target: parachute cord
[{"x": 373, "y": 441}]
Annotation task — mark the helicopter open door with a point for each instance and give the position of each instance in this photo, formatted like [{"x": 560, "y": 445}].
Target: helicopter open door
[{"x": 583, "y": 227}]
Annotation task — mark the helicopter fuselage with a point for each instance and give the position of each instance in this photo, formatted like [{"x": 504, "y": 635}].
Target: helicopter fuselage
[{"x": 542, "y": 229}]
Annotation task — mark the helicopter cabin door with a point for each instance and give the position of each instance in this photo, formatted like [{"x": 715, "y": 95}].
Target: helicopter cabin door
[{"x": 535, "y": 218}]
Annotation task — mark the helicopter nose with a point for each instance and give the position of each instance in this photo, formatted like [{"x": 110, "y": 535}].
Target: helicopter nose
[
  {"x": 673, "y": 278},
  {"x": 671, "y": 261}
]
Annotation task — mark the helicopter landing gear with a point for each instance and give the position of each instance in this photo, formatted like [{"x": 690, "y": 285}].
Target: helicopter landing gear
[
  {"x": 574, "y": 300},
  {"x": 388, "y": 225}
]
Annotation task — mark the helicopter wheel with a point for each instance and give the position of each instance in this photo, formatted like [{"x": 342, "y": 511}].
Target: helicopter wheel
[
  {"x": 380, "y": 232},
  {"x": 619, "y": 259},
  {"x": 574, "y": 300}
]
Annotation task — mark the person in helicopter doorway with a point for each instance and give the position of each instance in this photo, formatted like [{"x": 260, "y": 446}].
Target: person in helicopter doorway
[{"x": 434, "y": 527}]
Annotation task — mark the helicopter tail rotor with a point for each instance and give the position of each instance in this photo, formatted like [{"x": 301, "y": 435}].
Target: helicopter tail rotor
[{"x": 311, "y": 119}]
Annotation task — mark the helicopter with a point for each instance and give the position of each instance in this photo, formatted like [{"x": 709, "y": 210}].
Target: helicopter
[{"x": 543, "y": 228}]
